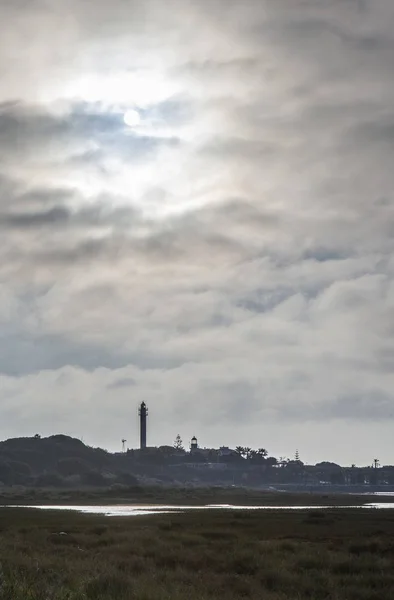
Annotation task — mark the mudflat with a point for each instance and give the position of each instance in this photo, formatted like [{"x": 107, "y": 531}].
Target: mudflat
[{"x": 186, "y": 495}]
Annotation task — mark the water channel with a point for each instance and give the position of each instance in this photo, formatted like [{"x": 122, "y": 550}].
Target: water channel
[{"x": 134, "y": 510}]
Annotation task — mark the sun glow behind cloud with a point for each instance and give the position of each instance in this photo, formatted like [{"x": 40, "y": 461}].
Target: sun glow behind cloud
[
  {"x": 132, "y": 117},
  {"x": 127, "y": 89},
  {"x": 143, "y": 102},
  {"x": 129, "y": 143}
]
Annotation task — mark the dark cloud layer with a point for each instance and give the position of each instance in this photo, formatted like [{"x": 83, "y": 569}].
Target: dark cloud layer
[{"x": 230, "y": 253}]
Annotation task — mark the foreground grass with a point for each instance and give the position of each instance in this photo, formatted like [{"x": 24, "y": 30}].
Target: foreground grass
[{"x": 273, "y": 555}]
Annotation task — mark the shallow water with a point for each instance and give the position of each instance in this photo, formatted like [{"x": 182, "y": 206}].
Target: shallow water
[{"x": 134, "y": 510}]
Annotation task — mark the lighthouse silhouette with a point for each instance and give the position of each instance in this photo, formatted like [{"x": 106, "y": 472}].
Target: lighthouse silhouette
[{"x": 143, "y": 413}]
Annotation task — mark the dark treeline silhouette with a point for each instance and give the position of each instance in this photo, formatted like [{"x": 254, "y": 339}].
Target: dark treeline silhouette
[{"x": 62, "y": 461}]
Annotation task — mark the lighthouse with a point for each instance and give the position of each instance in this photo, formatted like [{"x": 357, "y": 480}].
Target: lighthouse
[
  {"x": 193, "y": 444},
  {"x": 143, "y": 413}
]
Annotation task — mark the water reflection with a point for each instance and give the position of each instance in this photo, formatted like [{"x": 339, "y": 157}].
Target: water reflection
[{"x": 135, "y": 510}]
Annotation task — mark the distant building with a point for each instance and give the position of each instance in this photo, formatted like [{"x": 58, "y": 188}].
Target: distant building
[
  {"x": 205, "y": 466},
  {"x": 226, "y": 451},
  {"x": 210, "y": 453}
]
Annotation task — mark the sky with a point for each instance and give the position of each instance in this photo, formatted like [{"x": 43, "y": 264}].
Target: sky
[{"x": 196, "y": 211}]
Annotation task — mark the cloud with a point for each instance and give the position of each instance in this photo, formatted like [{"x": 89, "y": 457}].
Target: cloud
[
  {"x": 228, "y": 260},
  {"x": 120, "y": 383}
]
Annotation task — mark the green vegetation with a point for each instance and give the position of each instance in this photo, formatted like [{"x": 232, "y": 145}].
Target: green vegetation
[
  {"x": 181, "y": 495},
  {"x": 273, "y": 555},
  {"x": 62, "y": 462}
]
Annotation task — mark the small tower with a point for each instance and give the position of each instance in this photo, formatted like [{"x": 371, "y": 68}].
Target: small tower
[
  {"x": 143, "y": 413},
  {"x": 193, "y": 444}
]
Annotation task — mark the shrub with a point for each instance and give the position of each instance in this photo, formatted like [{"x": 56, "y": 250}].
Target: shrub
[
  {"x": 93, "y": 478},
  {"x": 72, "y": 466},
  {"x": 49, "y": 480}
]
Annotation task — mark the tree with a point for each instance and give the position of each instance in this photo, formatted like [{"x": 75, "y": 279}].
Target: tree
[
  {"x": 7, "y": 475},
  {"x": 248, "y": 452},
  {"x": 72, "y": 466},
  {"x": 337, "y": 477},
  {"x": 213, "y": 455},
  {"x": 49, "y": 480},
  {"x": 20, "y": 468},
  {"x": 252, "y": 455},
  {"x": 93, "y": 478},
  {"x": 127, "y": 479},
  {"x": 240, "y": 451},
  {"x": 178, "y": 444},
  {"x": 166, "y": 451}
]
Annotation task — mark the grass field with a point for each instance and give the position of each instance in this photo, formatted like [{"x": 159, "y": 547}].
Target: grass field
[
  {"x": 266, "y": 555},
  {"x": 181, "y": 495}
]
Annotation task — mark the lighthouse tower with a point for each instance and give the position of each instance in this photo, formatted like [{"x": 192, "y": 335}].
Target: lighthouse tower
[
  {"x": 143, "y": 413},
  {"x": 193, "y": 444}
]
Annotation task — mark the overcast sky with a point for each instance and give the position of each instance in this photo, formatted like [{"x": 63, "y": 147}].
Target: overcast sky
[{"x": 227, "y": 256}]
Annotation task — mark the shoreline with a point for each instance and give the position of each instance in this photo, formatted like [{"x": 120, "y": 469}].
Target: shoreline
[{"x": 151, "y": 495}]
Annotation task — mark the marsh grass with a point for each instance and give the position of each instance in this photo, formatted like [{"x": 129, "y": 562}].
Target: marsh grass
[
  {"x": 280, "y": 555},
  {"x": 179, "y": 495}
]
